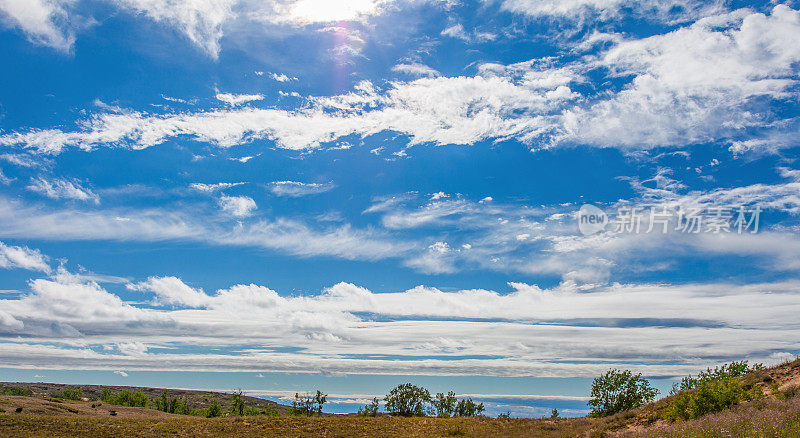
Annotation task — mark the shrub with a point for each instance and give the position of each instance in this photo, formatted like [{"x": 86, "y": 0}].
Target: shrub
[
  {"x": 408, "y": 400},
  {"x": 468, "y": 408},
  {"x": 370, "y": 410},
  {"x": 213, "y": 410},
  {"x": 724, "y": 372},
  {"x": 445, "y": 405},
  {"x": 618, "y": 391},
  {"x": 24, "y": 392},
  {"x": 308, "y": 404},
  {"x": 237, "y": 403},
  {"x": 126, "y": 397},
  {"x": 68, "y": 394},
  {"x": 173, "y": 405},
  {"x": 710, "y": 397},
  {"x": 251, "y": 411},
  {"x": 504, "y": 415},
  {"x": 554, "y": 413}
]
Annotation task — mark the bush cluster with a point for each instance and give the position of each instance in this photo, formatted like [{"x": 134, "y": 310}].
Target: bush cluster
[
  {"x": 618, "y": 391},
  {"x": 126, "y": 397},
  {"x": 727, "y": 371},
  {"x": 409, "y": 400},
  {"x": 68, "y": 394},
  {"x": 713, "y": 396},
  {"x": 712, "y": 391},
  {"x": 13, "y": 390},
  {"x": 307, "y": 404}
]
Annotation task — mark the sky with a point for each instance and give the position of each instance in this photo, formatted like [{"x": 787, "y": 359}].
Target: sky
[{"x": 504, "y": 198}]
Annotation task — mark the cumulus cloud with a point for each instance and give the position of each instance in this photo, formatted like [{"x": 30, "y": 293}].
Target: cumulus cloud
[
  {"x": 505, "y": 330},
  {"x": 172, "y": 291},
  {"x": 295, "y": 189}
]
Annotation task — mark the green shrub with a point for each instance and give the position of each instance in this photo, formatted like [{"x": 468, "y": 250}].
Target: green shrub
[
  {"x": 127, "y": 397},
  {"x": 727, "y": 371},
  {"x": 307, "y": 404},
  {"x": 445, "y": 405},
  {"x": 237, "y": 403},
  {"x": 408, "y": 400},
  {"x": 468, "y": 408},
  {"x": 554, "y": 414},
  {"x": 68, "y": 394},
  {"x": 712, "y": 396},
  {"x": 23, "y": 392},
  {"x": 173, "y": 405},
  {"x": 251, "y": 411},
  {"x": 213, "y": 410},
  {"x": 618, "y": 391},
  {"x": 370, "y": 410}
]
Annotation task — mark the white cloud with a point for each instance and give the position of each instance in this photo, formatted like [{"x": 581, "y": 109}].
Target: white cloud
[
  {"x": 18, "y": 220},
  {"x": 282, "y": 77},
  {"x": 695, "y": 84},
  {"x": 458, "y": 31},
  {"x": 459, "y": 110},
  {"x": 296, "y": 189},
  {"x": 416, "y": 69},
  {"x": 63, "y": 189},
  {"x": 22, "y": 257},
  {"x": 705, "y": 82},
  {"x": 238, "y": 99},
  {"x": 172, "y": 291},
  {"x": 608, "y": 9},
  {"x": 121, "y": 373},
  {"x": 37, "y": 18},
  {"x": 238, "y": 206},
  {"x": 211, "y": 188},
  {"x": 200, "y": 20},
  {"x": 527, "y": 331}
]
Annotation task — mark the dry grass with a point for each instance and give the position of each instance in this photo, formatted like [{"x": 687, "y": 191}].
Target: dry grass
[{"x": 777, "y": 414}]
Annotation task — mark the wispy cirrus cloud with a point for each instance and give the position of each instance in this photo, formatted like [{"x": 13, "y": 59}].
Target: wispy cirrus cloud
[
  {"x": 63, "y": 189},
  {"x": 296, "y": 189}
]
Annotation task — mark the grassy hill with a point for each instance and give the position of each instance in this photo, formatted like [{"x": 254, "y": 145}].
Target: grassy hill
[{"x": 775, "y": 412}]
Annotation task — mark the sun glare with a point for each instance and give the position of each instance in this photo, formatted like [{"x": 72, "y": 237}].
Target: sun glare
[{"x": 332, "y": 10}]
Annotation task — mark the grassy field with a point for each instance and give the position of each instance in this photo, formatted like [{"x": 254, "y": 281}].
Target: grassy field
[{"x": 772, "y": 415}]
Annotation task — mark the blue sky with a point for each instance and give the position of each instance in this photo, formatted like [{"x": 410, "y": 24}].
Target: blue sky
[{"x": 348, "y": 195}]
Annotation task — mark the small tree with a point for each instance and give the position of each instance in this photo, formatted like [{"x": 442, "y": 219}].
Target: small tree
[
  {"x": 554, "y": 414},
  {"x": 370, "y": 410},
  {"x": 445, "y": 405},
  {"x": 213, "y": 410},
  {"x": 617, "y": 391},
  {"x": 308, "y": 404},
  {"x": 237, "y": 403},
  {"x": 468, "y": 408},
  {"x": 408, "y": 400}
]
